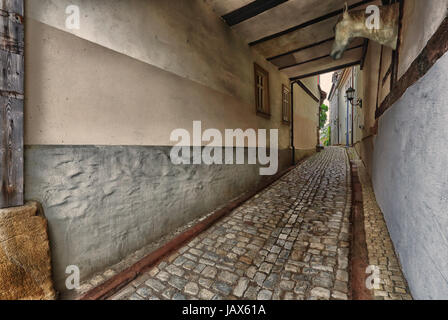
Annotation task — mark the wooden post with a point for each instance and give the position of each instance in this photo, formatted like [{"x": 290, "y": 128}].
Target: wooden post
[{"x": 11, "y": 102}]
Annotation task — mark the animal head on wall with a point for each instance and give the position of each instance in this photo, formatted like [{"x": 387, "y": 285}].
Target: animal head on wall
[{"x": 376, "y": 23}]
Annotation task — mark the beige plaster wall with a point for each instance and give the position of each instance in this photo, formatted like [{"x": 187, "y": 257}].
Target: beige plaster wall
[
  {"x": 135, "y": 71},
  {"x": 421, "y": 18},
  {"x": 369, "y": 76},
  {"x": 305, "y": 116}
]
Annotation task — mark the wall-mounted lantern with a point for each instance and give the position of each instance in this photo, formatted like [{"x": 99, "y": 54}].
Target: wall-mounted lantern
[{"x": 350, "y": 94}]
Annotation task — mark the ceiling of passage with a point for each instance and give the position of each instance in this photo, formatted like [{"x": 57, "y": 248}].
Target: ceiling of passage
[{"x": 295, "y": 35}]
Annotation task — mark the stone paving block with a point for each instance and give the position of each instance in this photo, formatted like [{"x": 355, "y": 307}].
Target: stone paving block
[
  {"x": 222, "y": 288},
  {"x": 205, "y": 294},
  {"x": 209, "y": 272},
  {"x": 135, "y": 296},
  {"x": 241, "y": 287},
  {"x": 177, "y": 282},
  {"x": 156, "y": 285},
  {"x": 144, "y": 292},
  {"x": 163, "y": 276},
  {"x": 174, "y": 270},
  {"x": 228, "y": 277},
  {"x": 320, "y": 293},
  {"x": 191, "y": 288},
  {"x": 264, "y": 295}
]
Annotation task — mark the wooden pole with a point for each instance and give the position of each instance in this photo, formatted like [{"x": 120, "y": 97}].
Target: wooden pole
[{"x": 11, "y": 102}]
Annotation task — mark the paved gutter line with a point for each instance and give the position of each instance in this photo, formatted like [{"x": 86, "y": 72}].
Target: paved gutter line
[
  {"x": 359, "y": 254},
  {"x": 123, "y": 278}
]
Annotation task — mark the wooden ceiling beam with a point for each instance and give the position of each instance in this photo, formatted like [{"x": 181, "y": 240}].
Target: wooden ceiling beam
[
  {"x": 301, "y": 49},
  {"x": 351, "y": 64},
  {"x": 309, "y": 23},
  {"x": 251, "y": 10},
  {"x": 317, "y": 58}
]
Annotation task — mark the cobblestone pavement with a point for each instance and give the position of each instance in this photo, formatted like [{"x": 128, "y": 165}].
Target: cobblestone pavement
[
  {"x": 290, "y": 241},
  {"x": 393, "y": 285}
]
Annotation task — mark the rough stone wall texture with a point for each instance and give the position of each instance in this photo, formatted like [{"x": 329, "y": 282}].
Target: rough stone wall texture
[
  {"x": 25, "y": 266},
  {"x": 410, "y": 179},
  {"x": 104, "y": 202}
]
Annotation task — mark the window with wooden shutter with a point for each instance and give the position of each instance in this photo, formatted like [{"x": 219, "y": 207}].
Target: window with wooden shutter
[{"x": 262, "y": 91}]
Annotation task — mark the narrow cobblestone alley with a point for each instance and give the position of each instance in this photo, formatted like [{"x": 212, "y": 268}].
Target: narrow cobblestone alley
[
  {"x": 223, "y": 150},
  {"x": 290, "y": 241}
]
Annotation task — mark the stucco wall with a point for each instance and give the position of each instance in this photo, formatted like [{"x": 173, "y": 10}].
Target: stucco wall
[
  {"x": 305, "y": 117},
  {"x": 410, "y": 179},
  {"x": 183, "y": 37},
  {"x": 420, "y": 21},
  {"x": 101, "y": 103},
  {"x": 135, "y": 71},
  {"x": 334, "y": 118},
  {"x": 369, "y": 96}
]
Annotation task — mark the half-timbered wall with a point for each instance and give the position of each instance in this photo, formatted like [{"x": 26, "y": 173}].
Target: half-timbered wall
[{"x": 404, "y": 144}]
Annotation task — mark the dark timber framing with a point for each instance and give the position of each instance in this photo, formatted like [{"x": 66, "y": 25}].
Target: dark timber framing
[
  {"x": 396, "y": 53},
  {"x": 301, "y": 49},
  {"x": 293, "y": 148},
  {"x": 11, "y": 102},
  {"x": 437, "y": 46},
  {"x": 351, "y": 64},
  {"x": 309, "y": 23},
  {"x": 364, "y": 53},
  {"x": 386, "y": 76},
  {"x": 251, "y": 10},
  {"x": 379, "y": 79},
  {"x": 317, "y": 58}
]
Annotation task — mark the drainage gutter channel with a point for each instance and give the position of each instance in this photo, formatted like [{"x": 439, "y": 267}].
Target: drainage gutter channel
[{"x": 359, "y": 254}]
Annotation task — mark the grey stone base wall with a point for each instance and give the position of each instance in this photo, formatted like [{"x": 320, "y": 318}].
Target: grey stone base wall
[
  {"x": 410, "y": 177},
  {"x": 105, "y": 202}
]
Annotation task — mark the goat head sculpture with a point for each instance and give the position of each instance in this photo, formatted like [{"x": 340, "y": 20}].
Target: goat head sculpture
[{"x": 353, "y": 25}]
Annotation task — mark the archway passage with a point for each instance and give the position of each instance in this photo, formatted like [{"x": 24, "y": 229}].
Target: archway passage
[
  {"x": 103, "y": 103},
  {"x": 296, "y": 36}
]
